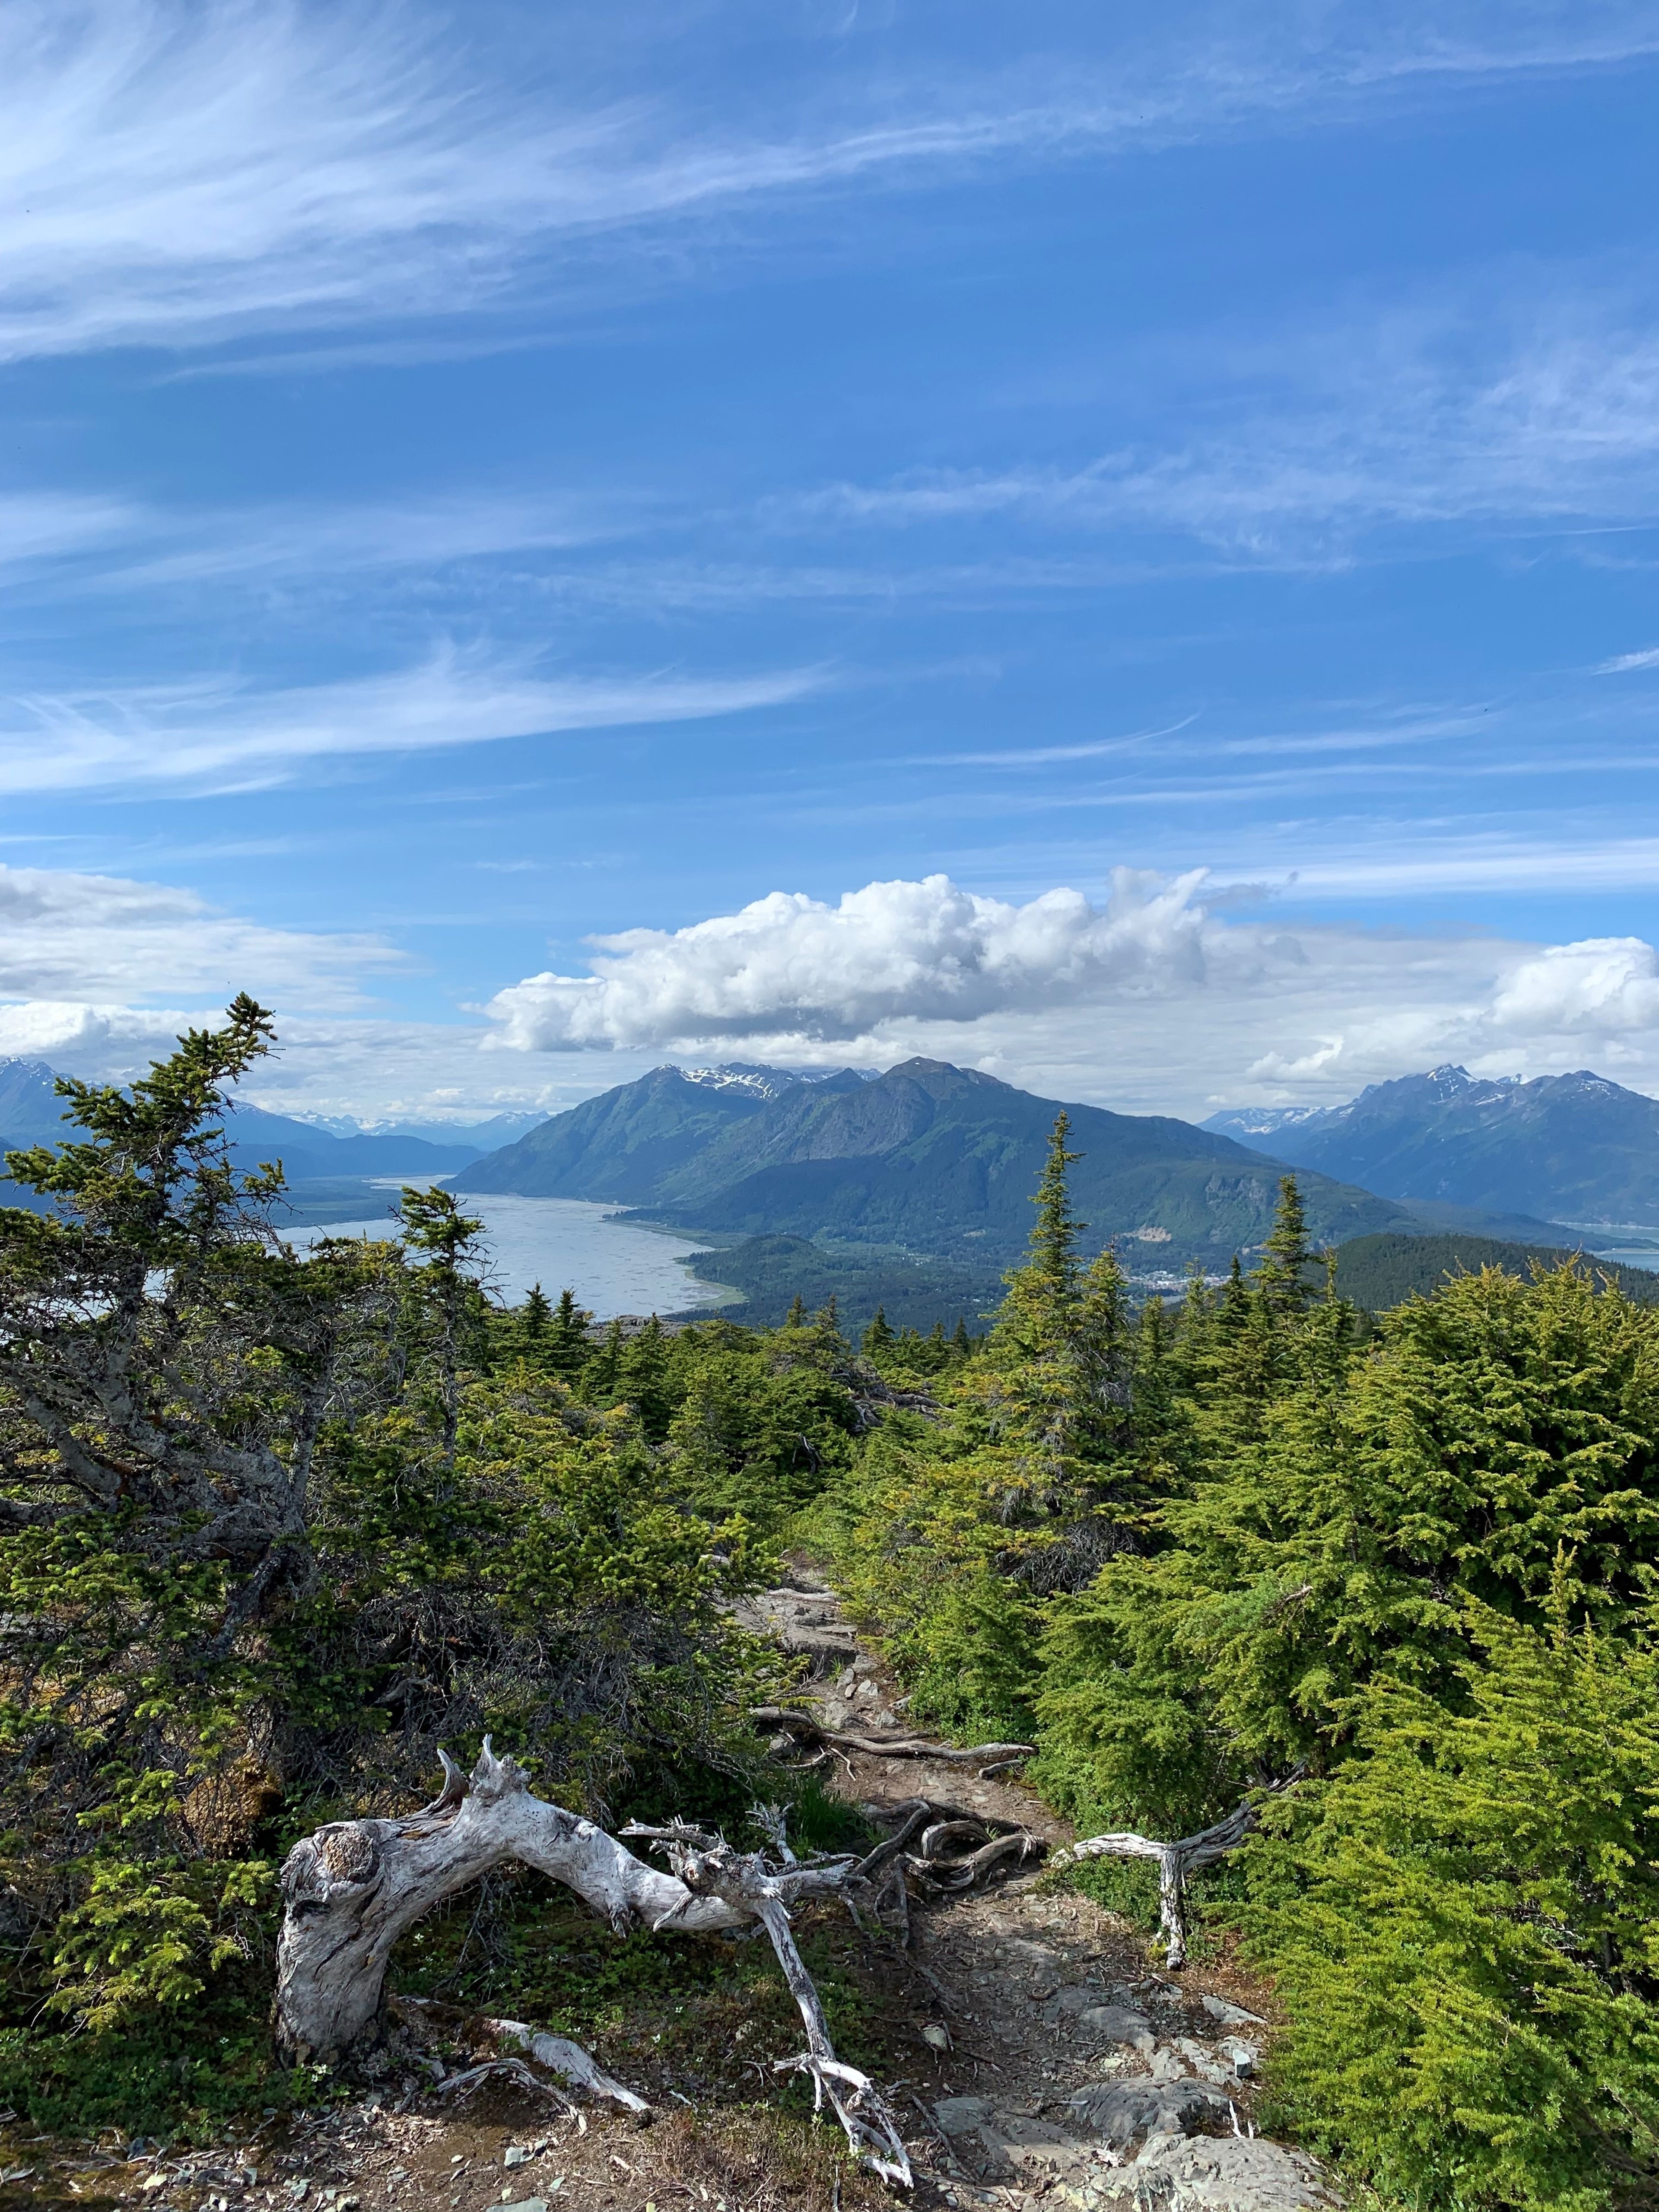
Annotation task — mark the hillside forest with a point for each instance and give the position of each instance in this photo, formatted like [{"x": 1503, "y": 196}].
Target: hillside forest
[{"x": 277, "y": 1525}]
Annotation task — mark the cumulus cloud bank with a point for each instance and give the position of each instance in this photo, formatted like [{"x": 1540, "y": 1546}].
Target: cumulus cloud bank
[
  {"x": 790, "y": 965},
  {"x": 1153, "y": 998}
]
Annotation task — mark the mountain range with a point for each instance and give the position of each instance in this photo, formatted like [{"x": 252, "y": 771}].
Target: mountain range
[
  {"x": 1577, "y": 1148},
  {"x": 328, "y": 1174},
  {"x": 925, "y": 1158}
]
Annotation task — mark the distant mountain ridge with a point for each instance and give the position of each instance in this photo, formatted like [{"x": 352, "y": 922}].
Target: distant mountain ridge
[
  {"x": 31, "y": 1113},
  {"x": 926, "y": 1157},
  {"x": 1574, "y": 1148}
]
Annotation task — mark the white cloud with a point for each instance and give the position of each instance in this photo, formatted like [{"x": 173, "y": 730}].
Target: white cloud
[
  {"x": 182, "y": 173},
  {"x": 1152, "y": 1001},
  {"x": 301, "y": 543},
  {"x": 69, "y": 944},
  {"x": 1601, "y": 986},
  {"x": 214, "y": 728},
  {"x": 41, "y": 527},
  {"x": 1623, "y": 663},
  {"x": 790, "y": 965}
]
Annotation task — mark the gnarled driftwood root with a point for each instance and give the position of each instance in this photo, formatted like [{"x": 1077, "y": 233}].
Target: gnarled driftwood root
[{"x": 352, "y": 1888}]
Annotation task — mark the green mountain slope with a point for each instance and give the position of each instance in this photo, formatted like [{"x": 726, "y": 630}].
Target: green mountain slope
[
  {"x": 1379, "y": 1271},
  {"x": 1574, "y": 1148},
  {"x": 770, "y": 1271},
  {"x": 928, "y": 1157},
  {"x": 626, "y": 1144}
]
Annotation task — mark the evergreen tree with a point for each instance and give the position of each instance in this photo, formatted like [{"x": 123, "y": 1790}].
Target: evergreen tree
[
  {"x": 878, "y": 1338},
  {"x": 602, "y": 1378},
  {"x": 644, "y": 1380},
  {"x": 796, "y": 1316},
  {"x": 1055, "y": 1381},
  {"x": 1052, "y": 1270},
  {"x": 447, "y": 1287},
  {"x": 1282, "y": 1277},
  {"x": 568, "y": 1346},
  {"x": 1461, "y": 1925},
  {"x": 536, "y": 1314}
]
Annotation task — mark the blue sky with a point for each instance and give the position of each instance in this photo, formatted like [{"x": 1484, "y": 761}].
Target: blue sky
[{"x": 1122, "y": 555}]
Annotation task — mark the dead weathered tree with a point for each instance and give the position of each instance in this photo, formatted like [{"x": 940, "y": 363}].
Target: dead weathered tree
[
  {"x": 352, "y": 1888},
  {"x": 1175, "y": 1862}
]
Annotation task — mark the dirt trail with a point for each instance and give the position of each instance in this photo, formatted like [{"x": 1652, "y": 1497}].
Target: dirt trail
[
  {"x": 1073, "y": 2072},
  {"x": 1043, "y": 2062}
]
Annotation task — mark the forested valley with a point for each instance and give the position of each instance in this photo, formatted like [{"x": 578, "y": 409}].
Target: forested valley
[{"x": 277, "y": 1528}]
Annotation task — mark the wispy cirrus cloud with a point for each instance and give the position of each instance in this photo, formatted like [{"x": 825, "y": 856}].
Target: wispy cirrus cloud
[
  {"x": 186, "y": 173},
  {"x": 1539, "y": 412},
  {"x": 215, "y": 730},
  {"x": 287, "y": 542},
  {"x": 45, "y": 528}
]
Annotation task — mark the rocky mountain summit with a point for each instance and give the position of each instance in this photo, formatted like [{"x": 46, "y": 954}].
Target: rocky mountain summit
[{"x": 1571, "y": 1148}]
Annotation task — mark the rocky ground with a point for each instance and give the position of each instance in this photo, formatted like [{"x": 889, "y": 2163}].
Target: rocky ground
[
  {"x": 1066, "y": 2070},
  {"x": 1037, "y": 2058}
]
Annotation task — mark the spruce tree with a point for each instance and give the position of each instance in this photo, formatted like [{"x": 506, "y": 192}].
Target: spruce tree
[
  {"x": 1282, "y": 1277},
  {"x": 644, "y": 1380},
  {"x": 448, "y": 1287},
  {"x": 1057, "y": 1368},
  {"x": 878, "y": 1337},
  {"x": 567, "y": 1347}
]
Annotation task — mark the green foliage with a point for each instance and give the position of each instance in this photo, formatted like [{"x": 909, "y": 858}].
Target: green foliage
[
  {"x": 274, "y": 1525},
  {"x": 958, "y": 1524},
  {"x": 1250, "y": 1538},
  {"x": 1340, "y": 1505},
  {"x": 1464, "y": 1923},
  {"x": 1379, "y": 1271},
  {"x": 914, "y": 1292}
]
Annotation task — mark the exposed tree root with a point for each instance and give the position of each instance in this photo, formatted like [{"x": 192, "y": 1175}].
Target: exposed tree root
[
  {"x": 573, "y": 2066},
  {"x": 805, "y": 1730}
]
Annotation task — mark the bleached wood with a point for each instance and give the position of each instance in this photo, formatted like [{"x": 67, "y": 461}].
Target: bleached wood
[
  {"x": 710, "y": 1868},
  {"x": 352, "y": 1888},
  {"x": 1175, "y": 1862}
]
